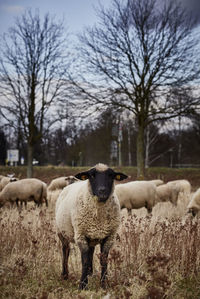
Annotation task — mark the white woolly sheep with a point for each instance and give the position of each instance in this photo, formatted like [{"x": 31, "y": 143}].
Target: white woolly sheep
[
  {"x": 5, "y": 180},
  {"x": 57, "y": 185},
  {"x": 194, "y": 204},
  {"x": 157, "y": 182},
  {"x": 183, "y": 186},
  {"x": 88, "y": 213},
  {"x": 167, "y": 192},
  {"x": 61, "y": 182},
  {"x": 24, "y": 190},
  {"x": 136, "y": 195}
]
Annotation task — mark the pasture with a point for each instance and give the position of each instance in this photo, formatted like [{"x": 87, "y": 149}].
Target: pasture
[{"x": 155, "y": 256}]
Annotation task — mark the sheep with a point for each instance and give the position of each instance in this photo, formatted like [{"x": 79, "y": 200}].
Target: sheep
[
  {"x": 61, "y": 182},
  {"x": 167, "y": 192},
  {"x": 137, "y": 194},
  {"x": 5, "y": 180},
  {"x": 88, "y": 213},
  {"x": 56, "y": 186},
  {"x": 194, "y": 204},
  {"x": 24, "y": 190},
  {"x": 157, "y": 182},
  {"x": 183, "y": 186}
]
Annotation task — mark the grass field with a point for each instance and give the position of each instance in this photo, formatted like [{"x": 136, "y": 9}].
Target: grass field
[{"x": 154, "y": 256}]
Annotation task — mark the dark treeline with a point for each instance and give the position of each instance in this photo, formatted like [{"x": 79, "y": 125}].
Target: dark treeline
[{"x": 86, "y": 146}]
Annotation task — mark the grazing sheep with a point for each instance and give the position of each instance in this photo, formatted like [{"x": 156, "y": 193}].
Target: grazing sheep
[
  {"x": 5, "y": 180},
  {"x": 136, "y": 195},
  {"x": 24, "y": 190},
  {"x": 194, "y": 204},
  {"x": 157, "y": 182},
  {"x": 57, "y": 185},
  {"x": 167, "y": 192},
  {"x": 182, "y": 185},
  {"x": 88, "y": 213},
  {"x": 61, "y": 182}
]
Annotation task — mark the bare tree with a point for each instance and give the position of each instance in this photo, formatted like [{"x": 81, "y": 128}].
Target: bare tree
[
  {"x": 135, "y": 54},
  {"x": 33, "y": 63}
]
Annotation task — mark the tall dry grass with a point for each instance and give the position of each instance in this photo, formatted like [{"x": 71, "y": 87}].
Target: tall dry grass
[{"x": 155, "y": 256}]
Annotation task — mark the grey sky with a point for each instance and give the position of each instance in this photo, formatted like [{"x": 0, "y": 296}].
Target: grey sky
[{"x": 77, "y": 13}]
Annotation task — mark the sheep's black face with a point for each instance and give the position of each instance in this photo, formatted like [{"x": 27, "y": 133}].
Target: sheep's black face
[{"x": 101, "y": 181}]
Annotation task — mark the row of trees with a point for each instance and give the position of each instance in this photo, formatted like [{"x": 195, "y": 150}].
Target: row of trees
[
  {"x": 91, "y": 144},
  {"x": 141, "y": 58}
]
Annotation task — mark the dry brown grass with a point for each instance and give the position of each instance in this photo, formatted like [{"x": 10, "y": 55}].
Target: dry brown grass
[{"x": 155, "y": 256}]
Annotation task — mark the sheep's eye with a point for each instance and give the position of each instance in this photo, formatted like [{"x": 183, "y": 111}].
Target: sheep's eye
[
  {"x": 110, "y": 174},
  {"x": 92, "y": 176}
]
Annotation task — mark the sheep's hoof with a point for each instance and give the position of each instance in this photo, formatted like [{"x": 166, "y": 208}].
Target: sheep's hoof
[
  {"x": 90, "y": 272},
  {"x": 64, "y": 276},
  {"x": 104, "y": 284},
  {"x": 82, "y": 285}
]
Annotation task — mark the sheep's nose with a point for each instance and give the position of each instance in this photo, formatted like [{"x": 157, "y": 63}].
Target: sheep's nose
[{"x": 102, "y": 191}]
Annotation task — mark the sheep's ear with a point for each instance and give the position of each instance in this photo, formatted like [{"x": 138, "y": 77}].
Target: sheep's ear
[
  {"x": 13, "y": 180},
  {"x": 82, "y": 176},
  {"x": 120, "y": 176}
]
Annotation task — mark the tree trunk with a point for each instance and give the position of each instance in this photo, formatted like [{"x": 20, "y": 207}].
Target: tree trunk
[
  {"x": 147, "y": 146},
  {"x": 30, "y": 161},
  {"x": 129, "y": 146},
  {"x": 140, "y": 150}
]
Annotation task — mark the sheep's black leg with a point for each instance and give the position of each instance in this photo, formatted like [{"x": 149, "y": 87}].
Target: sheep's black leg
[
  {"x": 65, "y": 256},
  {"x": 17, "y": 202},
  {"x": 46, "y": 201},
  {"x": 129, "y": 212},
  {"x": 148, "y": 207},
  {"x": 87, "y": 252},
  {"x": 65, "y": 249},
  {"x": 91, "y": 252},
  {"x": 86, "y": 264},
  {"x": 104, "y": 261}
]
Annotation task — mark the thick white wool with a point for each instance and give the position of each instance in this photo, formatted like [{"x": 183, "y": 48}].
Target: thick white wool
[
  {"x": 24, "y": 190},
  {"x": 195, "y": 201},
  {"x": 101, "y": 167},
  {"x": 168, "y": 192},
  {"x": 61, "y": 182},
  {"x": 137, "y": 194},
  {"x": 181, "y": 185},
  {"x": 6, "y": 180},
  {"x": 78, "y": 213},
  {"x": 157, "y": 182}
]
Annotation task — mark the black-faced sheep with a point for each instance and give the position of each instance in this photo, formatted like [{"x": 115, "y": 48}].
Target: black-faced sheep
[
  {"x": 23, "y": 191},
  {"x": 194, "y": 204},
  {"x": 136, "y": 195},
  {"x": 88, "y": 213}
]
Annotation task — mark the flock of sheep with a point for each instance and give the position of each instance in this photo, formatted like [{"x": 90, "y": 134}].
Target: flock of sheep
[{"x": 88, "y": 207}]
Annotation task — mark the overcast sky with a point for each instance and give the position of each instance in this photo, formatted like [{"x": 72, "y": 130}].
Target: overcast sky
[{"x": 77, "y": 13}]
